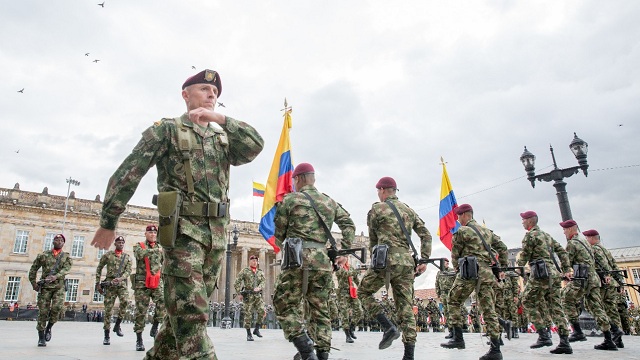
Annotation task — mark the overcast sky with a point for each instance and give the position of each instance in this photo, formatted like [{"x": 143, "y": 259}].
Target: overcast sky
[{"x": 378, "y": 88}]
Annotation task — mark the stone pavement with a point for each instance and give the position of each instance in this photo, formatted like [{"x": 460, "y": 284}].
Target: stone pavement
[{"x": 83, "y": 340}]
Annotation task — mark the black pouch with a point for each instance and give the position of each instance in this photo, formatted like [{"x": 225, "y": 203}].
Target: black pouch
[
  {"x": 379, "y": 257},
  {"x": 539, "y": 269},
  {"x": 468, "y": 266},
  {"x": 168, "y": 214},
  {"x": 581, "y": 271},
  {"x": 66, "y": 285},
  {"x": 291, "y": 253}
]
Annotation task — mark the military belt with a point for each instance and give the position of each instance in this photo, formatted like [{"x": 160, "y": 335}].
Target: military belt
[
  {"x": 310, "y": 244},
  {"x": 204, "y": 209}
]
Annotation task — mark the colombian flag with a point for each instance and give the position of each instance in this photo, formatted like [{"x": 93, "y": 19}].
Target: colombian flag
[
  {"x": 279, "y": 182},
  {"x": 258, "y": 189},
  {"x": 448, "y": 219}
]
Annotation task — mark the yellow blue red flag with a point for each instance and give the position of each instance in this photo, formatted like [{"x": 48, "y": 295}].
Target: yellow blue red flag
[
  {"x": 258, "y": 189},
  {"x": 448, "y": 219}
]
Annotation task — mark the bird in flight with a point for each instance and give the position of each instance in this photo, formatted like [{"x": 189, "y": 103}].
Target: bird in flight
[
  {"x": 21, "y": 91},
  {"x": 17, "y": 151},
  {"x": 102, "y": 4},
  {"x": 221, "y": 104},
  {"x": 86, "y": 54},
  {"x": 193, "y": 67},
  {"x": 619, "y": 124},
  {"x": 96, "y": 60}
]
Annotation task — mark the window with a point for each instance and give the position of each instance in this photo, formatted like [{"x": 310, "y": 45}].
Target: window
[
  {"x": 100, "y": 253},
  {"x": 20, "y": 246},
  {"x": 48, "y": 241},
  {"x": 72, "y": 291},
  {"x": 13, "y": 289},
  {"x": 97, "y": 297},
  {"x": 77, "y": 249},
  {"x": 636, "y": 275}
]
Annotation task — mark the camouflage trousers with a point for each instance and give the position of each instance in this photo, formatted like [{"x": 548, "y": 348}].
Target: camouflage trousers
[
  {"x": 251, "y": 304},
  {"x": 571, "y": 296},
  {"x": 143, "y": 297},
  {"x": 190, "y": 272},
  {"x": 289, "y": 303},
  {"x": 401, "y": 279},
  {"x": 609, "y": 296},
  {"x": 500, "y": 305},
  {"x": 445, "y": 307},
  {"x": 50, "y": 306},
  {"x": 350, "y": 310},
  {"x": 542, "y": 302},
  {"x": 461, "y": 290},
  {"x": 111, "y": 293}
]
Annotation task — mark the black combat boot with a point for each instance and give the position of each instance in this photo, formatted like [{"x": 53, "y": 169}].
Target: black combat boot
[
  {"x": 107, "y": 340},
  {"x": 408, "y": 351},
  {"x": 249, "y": 337},
  {"x": 116, "y": 328},
  {"x": 41, "y": 341},
  {"x": 543, "y": 339},
  {"x": 450, "y": 336},
  {"x": 349, "y": 338},
  {"x": 352, "y": 328},
  {"x": 390, "y": 331},
  {"x": 564, "y": 347},
  {"x": 256, "y": 331},
  {"x": 616, "y": 334},
  {"x": 323, "y": 355},
  {"x": 47, "y": 332},
  {"x": 154, "y": 329},
  {"x": 506, "y": 325},
  {"x": 494, "y": 352},
  {"x": 457, "y": 341},
  {"x": 514, "y": 333},
  {"x": 305, "y": 347},
  {"x": 607, "y": 344},
  {"x": 139, "y": 343},
  {"x": 577, "y": 334}
]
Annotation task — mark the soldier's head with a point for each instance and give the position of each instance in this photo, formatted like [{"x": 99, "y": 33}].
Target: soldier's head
[
  {"x": 593, "y": 236},
  {"x": 473, "y": 304},
  {"x": 119, "y": 243},
  {"x": 303, "y": 174},
  {"x": 151, "y": 233},
  {"x": 570, "y": 228},
  {"x": 253, "y": 261},
  {"x": 58, "y": 241},
  {"x": 446, "y": 262},
  {"x": 202, "y": 90},
  {"x": 529, "y": 219},
  {"x": 465, "y": 213},
  {"x": 386, "y": 187}
]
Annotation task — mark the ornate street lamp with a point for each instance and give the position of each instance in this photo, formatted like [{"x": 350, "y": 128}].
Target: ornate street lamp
[
  {"x": 70, "y": 181},
  {"x": 226, "y": 321},
  {"x": 579, "y": 148}
]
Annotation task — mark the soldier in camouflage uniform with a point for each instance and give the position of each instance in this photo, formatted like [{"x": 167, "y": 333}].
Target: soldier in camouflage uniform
[
  {"x": 434, "y": 314},
  {"x": 401, "y": 267},
  {"x": 543, "y": 295},
  {"x": 474, "y": 315},
  {"x": 444, "y": 282},
  {"x": 350, "y": 309},
  {"x": 201, "y": 177},
  {"x": 610, "y": 284},
  {"x": 249, "y": 285},
  {"x": 511, "y": 292},
  {"x": 118, "y": 266},
  {"x": 634, "y": 319},
  {"x": 312, "y": 282},
  {"x": 334, "y": 313},
  {"x": 468, "y": 241},
  {"x": 580, "y": 253},
  {"x": 55, "y": 266}
]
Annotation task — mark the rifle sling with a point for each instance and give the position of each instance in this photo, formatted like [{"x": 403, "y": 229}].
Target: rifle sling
[{"x": 404, "y": 229}]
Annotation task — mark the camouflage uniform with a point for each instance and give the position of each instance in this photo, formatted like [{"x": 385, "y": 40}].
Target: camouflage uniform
[
  {"x": 608, "y": 292},
  {"x": 444, "y": 283},
  {"x": 350, "y": 309},
  {"x": 142, "y": 294},
  {"x": 51, "y": 295},
  {"x": 120, "y": 291},
  {"x": 385, "y": 229},
  {"x": 334, "y": 313},
  {"x": 434, "y": 314},
  {"x": 474, "y": 315},
  {"x": 252, "y": 302},
  {"x": 511, "y": 291},
  {"x": 296, "y": 218},
  {"x": 192, "y": 266}
]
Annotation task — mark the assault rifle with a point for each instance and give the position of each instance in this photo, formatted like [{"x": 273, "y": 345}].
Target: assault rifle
[
  {"x": 519, "y": 270},
  {"x": 433, "y": 261},
  {"x": 635, "y": 287},
  {"x": 619, "y": 275},
  {"x": 40, "y": 283},
  {"x": 358, "y": 253}
]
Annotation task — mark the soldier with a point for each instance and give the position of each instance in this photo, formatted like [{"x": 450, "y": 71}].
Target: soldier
[
  {"x": 249, "y": 285},
  {"x": 149, "y": 259},
  {"x": 308, "y": 214},
  {"x": 192, "y": 157},
  {"x": 444, "y": 282},
  {"x": 478, "y": 250},
  {"x": 474, "y": 315},
  {"x": 610, "y": 283},
  {"x": 55, "y": 265},
  {"x": 434, "y": 314},
  {"x": 390, "y": 223},
  {"x": 350, "y": 309},
  {"x": 114, "y": 286},
  {"x": 587, "y": 288},
  {"x": 511, "y": 293}
]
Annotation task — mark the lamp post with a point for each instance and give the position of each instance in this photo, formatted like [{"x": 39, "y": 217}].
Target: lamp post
[
  {"x": 579, "y": 148},
  {"x": 70, "y": 181},
  {"x": 226, "y": 321}
]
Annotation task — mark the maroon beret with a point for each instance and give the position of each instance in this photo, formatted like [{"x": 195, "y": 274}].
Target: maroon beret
[
  {"x": 445, "y": 259},
  {"x": 463, "y": 209},
  {"x": 61, "y": 236},
  {"x": 302, "y": 168},
  {"x": 152, "y": 228},
  {"x": 205, "y": 77},
  {"x": 119, "y": 238},
  {"x": 568, "y": 224},
  {"x": 592, "y": 232},
  {"x": 528, "y": 214},
  {"x": 386, "y": 182},
  {"x": 253, "y": 257}
]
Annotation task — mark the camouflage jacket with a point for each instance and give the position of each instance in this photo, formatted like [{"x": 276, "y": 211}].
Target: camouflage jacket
[
  {"x": 112, "y": 262},
  {"x": 296, "y": 218},
  {"x": 47, "y": 261},
  {"x": 535, "y": 245},
  {"x": 444, "y": 282},
  {"x": 248, "y": 280},
  {"x": 385, "y": 229},
  {"x": 579, "y": 252},
  {"x": 606, "y": 262},
  {"x": 235, "y": 144},
  {"x": 433, "y": 309},
  {"x": 466, "y": 242},
  {"x": 155, "y": 254},
  {"x": 473, "y": 313},
  {"x": 343, "y": 279}
]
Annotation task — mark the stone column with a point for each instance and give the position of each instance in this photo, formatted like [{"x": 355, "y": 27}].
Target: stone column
[{"x": 245, "y": 257}]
